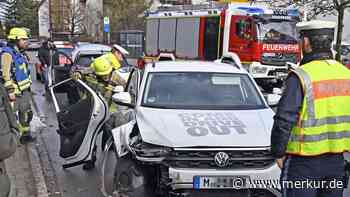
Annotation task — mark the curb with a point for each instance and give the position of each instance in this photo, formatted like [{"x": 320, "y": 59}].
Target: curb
[
  {"x": 37, "y": 171},
  {"x": 35, "y": 163}
]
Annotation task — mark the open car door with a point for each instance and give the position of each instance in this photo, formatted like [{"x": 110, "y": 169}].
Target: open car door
[
  {"x": 61, "y": 67},
  {"x": 80, "y": 115}
]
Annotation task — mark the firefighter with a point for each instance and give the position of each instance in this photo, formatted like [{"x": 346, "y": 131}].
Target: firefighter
[
  {"x": 17, "y": 81},
  {"x": 312, "y": 123},
  {"x": 115, "y": 57},
  {"x": 103, "y": 77}
]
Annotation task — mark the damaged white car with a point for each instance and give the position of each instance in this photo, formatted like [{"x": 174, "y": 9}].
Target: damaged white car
[{"x": 191, "y": 129}]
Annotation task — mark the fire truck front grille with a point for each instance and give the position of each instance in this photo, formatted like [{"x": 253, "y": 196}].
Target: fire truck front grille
[
  {"x": 204, "y": 159},
  {"x": 279, "y": 59}
]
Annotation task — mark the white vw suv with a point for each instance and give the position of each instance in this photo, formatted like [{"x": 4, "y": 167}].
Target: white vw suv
[{"x": 191, "y": 129}]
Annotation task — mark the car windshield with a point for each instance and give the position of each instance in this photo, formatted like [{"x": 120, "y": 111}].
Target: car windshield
[
  {"x": 85, "y": 60},
  {"x": 278, "y": 32},
  {"x": 189, "y": 90},
  {"x": 67, "y": 51}
]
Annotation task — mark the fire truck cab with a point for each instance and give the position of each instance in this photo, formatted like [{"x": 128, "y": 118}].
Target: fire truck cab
[{"x": 264, "y": 38}]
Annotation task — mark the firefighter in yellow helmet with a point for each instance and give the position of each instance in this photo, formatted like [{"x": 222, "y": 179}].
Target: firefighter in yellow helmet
[
  {"x": 16, "y": 78},
  {"x": 312, "y": 125},
  {"x": 103, "y": 77}
]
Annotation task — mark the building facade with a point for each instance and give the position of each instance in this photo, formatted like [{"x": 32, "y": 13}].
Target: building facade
[
  {"x": 44, "y": 19},
  {"x": 94, "y": 19}
]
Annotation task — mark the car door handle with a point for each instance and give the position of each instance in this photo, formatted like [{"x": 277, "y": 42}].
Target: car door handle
[{"x": 65, "y": 112}]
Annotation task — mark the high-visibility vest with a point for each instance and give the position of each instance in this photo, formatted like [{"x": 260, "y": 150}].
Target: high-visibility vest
[
  {"x": 108, "y": 58},
  {"x": 324, "y": 120},
  {"x": 20, "y": 72},
  {"x": 106, "y": 90}
]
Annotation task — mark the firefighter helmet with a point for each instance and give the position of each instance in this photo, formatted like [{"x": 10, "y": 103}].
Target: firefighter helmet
[
  {"x": 102, "y": 67},
  {"x": 17, "y": 33}
]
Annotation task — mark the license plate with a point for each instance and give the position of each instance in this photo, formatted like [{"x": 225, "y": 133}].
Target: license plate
[
  {"x": 281, "y": 74},
  {"x": 219, "y": 182}
]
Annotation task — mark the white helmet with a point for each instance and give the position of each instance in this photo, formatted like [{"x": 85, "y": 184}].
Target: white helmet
[{"x": 120, "y": 49}]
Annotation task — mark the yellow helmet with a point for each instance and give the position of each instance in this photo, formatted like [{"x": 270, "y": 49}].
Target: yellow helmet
[
  {"x": 101, "y": 67},
  {"x": 17, "y": 33}
]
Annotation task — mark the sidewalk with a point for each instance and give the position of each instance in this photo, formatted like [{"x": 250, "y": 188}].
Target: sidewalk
[{"x": 25, "y": 171}]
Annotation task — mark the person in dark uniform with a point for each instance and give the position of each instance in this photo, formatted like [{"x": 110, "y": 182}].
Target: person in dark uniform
[{"x": 312, "y": 125}]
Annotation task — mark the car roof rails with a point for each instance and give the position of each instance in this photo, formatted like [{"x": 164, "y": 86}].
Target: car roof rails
[
  {"x": 232, "y": 59},
  {"x": 227, "y": 60}
]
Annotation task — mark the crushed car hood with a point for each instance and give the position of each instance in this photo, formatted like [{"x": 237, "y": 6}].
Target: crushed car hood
[{"x": 205, "y": 128}]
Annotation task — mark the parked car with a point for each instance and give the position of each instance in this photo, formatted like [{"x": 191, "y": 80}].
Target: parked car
[
  {"x": 346, "y": 62},
  {"x": 65, "y": 47},
  {"x": 190, "y": 129},
  {"x": 61, "y": 47},
  {"x": 345, "y": 54},
  {"x": 82, "y": 56}
]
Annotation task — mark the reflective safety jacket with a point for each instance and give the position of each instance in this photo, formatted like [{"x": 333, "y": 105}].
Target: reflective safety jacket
[
  {"x": 105, "y": 88},
  {"x": 110, "y": 58},
  {"x": 19, "y": 74},
  {"x": 324, "y": 119}
]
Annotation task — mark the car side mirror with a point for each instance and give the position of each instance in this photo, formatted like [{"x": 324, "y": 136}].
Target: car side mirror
[
  {"x": 123, "y": 98},
  {"x": 118, "y": 89},
  {"x": 291, "y": 65},
  {"x": 273, "y": 99}
]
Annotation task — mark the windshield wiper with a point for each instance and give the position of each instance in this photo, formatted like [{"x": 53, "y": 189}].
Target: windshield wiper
[{"x": 158, "y": 106}]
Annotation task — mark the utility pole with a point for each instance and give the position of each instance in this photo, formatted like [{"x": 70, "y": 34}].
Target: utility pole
[{"x": 50, "y": 19}]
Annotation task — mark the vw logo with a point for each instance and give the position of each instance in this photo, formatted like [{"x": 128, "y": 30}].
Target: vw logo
[
  {"x": 222, "y": 159},
  {"x": 280, "y": 55}
]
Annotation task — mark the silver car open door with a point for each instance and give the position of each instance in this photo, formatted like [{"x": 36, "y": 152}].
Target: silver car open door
[{"x": 80, "y": 115}]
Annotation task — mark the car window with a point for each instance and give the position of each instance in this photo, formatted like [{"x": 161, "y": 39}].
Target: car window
[
  {"x": 67, "y": 51},
  {"x": 60, "y": 58},
  {"x": 132, "y": 86},
  {"x": 189, "y": 90},
  {"x": 86, "y": 60},
  {"x": 70, "y": 93}
]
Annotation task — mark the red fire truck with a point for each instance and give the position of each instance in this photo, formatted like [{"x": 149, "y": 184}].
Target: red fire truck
[{"x": 264, "y": 38}]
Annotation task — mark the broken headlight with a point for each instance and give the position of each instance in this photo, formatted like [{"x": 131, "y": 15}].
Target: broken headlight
[{"x": 143, "y": 149}]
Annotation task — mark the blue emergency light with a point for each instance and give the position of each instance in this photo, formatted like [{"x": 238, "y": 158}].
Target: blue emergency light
[
  {"x": 252, "y": 10},
  {"x": 293, "y": 12}
]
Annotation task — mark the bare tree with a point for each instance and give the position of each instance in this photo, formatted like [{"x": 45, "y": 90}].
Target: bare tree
[
  {"x": 67, "y": 16},
  {"x": 75, "y": 20},
  {"x": 124, "y": 13}
]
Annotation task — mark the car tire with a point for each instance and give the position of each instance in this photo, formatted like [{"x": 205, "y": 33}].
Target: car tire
[{"x": 130, "y": 180}]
